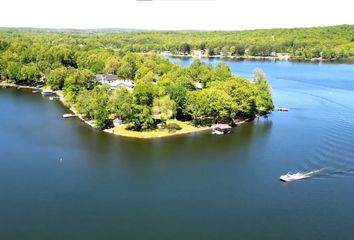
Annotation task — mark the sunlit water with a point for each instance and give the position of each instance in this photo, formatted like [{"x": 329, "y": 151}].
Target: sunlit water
[
  {"x": 60, "y": 179},
  {"x": 320, "y": 83}
]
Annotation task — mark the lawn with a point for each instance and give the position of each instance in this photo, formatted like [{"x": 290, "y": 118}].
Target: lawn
[{"x": 187, "y": 127}]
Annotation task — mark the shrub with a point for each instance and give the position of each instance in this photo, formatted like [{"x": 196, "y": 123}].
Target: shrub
[{"x": 173, "y": 127}]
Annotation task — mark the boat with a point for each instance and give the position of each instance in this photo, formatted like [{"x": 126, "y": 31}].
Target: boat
[
  {"x": 55, "y": 97},
  {"x": 298, "y": 176},
  {"x": 69, "y": 115},
  {"x": 292, "y": 177},
  {"x": 216, "y": 132},
  {"x": 47, "y": 92},
  {"x": 220, "y": 129}
]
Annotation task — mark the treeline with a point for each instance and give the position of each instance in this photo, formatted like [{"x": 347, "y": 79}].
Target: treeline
[
  {"x": 199, "y": 93},
  {"x": 334, "y": 43}
]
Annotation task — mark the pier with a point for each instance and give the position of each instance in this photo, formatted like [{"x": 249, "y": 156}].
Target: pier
[{"x": 281, "y": 109}]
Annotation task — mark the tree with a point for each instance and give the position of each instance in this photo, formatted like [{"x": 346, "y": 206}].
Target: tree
[
  {"x": 121, "y": 103},
  {"x": 225, "y": 51},
  {"x": 258, "y": 75},
  {"x": 112, "y": 66},
  {"x": 94, "y": 105},
  {"x": 178, "y": 93},
  {"x": 29, "y": 74},
  {"x": 76, "y": 81},
  {"x": 127, "y": 68},
  {"x": 221, "y": 72},
  {"x": 163, "y": 108},
  {"x": 100, "y": 106},
  {"x": 144, "y": 93},
  {"x": 264, "y": 99},
  {"x": 140, "y": 119},
  {"x": 13, "y": 71},
  {"x": 185, "y": 48},
  {"x": 56, "y": 78},
  {"x": 210, "y": 106},
  {"x": 243, "y": 94}
]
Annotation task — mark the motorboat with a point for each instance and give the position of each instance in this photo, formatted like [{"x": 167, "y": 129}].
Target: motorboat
[
  {"x": 53, "y": 98},
  {"x": 292, "y": 177},
  {"x": 47, "y": 92},
  {"x": 216, "y": 132},
  {"x": 298, "y": 176},
  {"x": 69, "y": 115}
]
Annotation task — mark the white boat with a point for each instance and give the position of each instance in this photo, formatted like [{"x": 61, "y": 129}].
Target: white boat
[
  {"x": 47, "y": 92},
  {"x": 69, "y": 115},
  {"x": 52, "y": 98},
  {"x": 216, "y": 132},
  {"x": 298, "y": 176}
]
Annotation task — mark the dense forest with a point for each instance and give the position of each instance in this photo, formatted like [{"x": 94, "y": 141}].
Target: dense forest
[
  {"x": 69, "y": 60},
  {"x": 332, "y": 43}
]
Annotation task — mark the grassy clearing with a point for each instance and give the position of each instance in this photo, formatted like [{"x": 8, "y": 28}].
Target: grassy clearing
[{"x": 187, "y": 127}]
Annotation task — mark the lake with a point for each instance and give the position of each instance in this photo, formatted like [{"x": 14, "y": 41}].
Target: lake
[{"x": 61, "y": 179}]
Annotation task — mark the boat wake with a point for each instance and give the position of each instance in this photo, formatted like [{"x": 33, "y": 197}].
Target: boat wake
[
  {"x": 334, "y": 156},
  {"x": 300, "y": 175}
]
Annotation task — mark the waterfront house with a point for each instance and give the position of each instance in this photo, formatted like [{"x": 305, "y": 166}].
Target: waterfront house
[
  {"x": 113, "y": 82},
  {"x": 106, "y": 78}
]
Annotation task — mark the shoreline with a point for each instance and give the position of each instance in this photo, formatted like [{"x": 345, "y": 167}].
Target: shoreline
[
  {"x": 268, "y": 58},
  {"x": 5, "y": 84},
  {"x": 163, "y": 134},
  {"x": 166, "y": 135},
  {"x": 131, "y": 134},
  {"x": 72, "y": 109}
]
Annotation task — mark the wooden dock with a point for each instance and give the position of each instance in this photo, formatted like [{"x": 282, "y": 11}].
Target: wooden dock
[{"x": 281, "y": 109}]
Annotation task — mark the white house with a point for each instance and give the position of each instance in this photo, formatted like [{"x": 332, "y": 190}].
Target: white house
[{"x": 113, "y": 81}]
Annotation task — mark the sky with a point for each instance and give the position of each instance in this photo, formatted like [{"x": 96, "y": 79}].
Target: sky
[{"x": 175, "y": 14}]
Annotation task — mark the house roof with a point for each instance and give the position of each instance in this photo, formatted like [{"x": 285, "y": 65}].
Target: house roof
[
  {"x": 221, "y": 126},
  {"x": 106, "y": 77}
]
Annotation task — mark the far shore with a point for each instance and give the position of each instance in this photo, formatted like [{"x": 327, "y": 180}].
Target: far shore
[{"x": 270, "y": 58}]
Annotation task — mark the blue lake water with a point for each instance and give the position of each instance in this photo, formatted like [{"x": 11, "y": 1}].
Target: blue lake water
[{"x": 198, "y": 186}]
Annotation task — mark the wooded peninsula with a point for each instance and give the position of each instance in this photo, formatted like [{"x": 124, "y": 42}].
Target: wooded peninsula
[{"x": 122, "y": 75}]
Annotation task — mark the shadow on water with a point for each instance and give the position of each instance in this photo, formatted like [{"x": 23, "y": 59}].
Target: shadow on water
[{"x": 196, "y": 148}]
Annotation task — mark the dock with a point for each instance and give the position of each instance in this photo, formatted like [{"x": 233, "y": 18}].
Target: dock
[
  {"x": 281, "y": 109},
  {"x": 69, "y": 115}
]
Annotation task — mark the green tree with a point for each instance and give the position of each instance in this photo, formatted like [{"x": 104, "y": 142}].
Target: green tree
[
  {"x": 178, "y": 93},
  {"x": 112, "y": 66},
  {"x": 144, "y": 93},
  {"x": 163, "y": 108},
  {"x": 29, "y": 74},
  {"x": 13, "y": 71},
  {"x": 264, "y": 99},
  {"x": 56, "y": 77},
  {"x": 185, "y": 48},
  {"x": 127, "y": 68},
  {"x": 210, "y": 106},
  {"x": 121, "y": 103},
  {"x": 221, "y": 72},
  {"x": 140, "y": 119}
]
